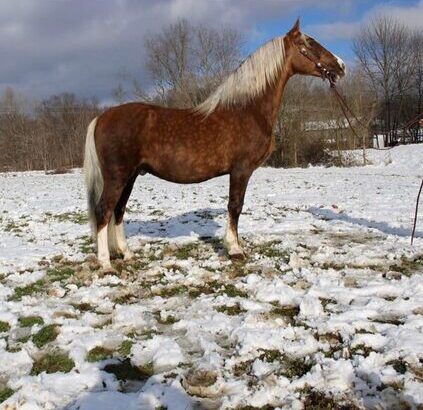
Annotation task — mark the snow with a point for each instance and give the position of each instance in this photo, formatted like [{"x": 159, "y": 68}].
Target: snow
[{"x": 329, "y": 300}]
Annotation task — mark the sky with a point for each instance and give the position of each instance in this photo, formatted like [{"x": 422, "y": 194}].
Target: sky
[{"x": 83, "y": 46}]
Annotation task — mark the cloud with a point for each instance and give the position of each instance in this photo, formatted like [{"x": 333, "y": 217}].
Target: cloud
[
  {"x": 81, "y": 46},
  {"x": 411, "y": 15}
]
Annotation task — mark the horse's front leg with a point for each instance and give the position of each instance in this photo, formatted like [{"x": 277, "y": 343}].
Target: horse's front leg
[{"x": 237, "y": 188}]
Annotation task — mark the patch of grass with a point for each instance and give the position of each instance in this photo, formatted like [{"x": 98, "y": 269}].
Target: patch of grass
[
  {"x": 288, "y": 312},
  {"x": 125, "y": 347},
  {"x": 28, "y": 290},
  {"x": 4, "y": 327},
  {"x": 15, "y": 227},
  {"x": 361, "y": 349},
  {"x": 396, "y": 321},
  {"x": 45, "y": 335},
  {"x": 295, "y": 367},
  {"x": 185, "y": 251},
  {"x": 149, "y": 333},
  {"x": 60, "y": 273},
  {"x": 317, "y": 400},
  {"x": 231, "y": 290},
  {"x": 291, "y": 367},
  {"x": 86, "y": 245},
  {"x": 242, "y": 368},
  {"x": 201, "y": 377},
  {"x": 83, "y": 307},
  {"x": 53, "y": 362},
  {"x": 399, "y": 365},
  {"x": 98, "y": 354},
  {"x": 218, "y": 288},
  {"x": 270, "y": 355},
  {"x": 126, "y": 371},
  {"x": 233, "y": 310},
  {"x": 271, "y": 250},
  {"x": 5, "y": 394},
  {"x": 23, "y": 339},
  {"x": 75, "y": 217},
  {"x": 172, "y": 291},
  {"x": 408, "y": 266},
  {"x": 124, "y": 299},
  {"x": 169, "y": 320},
  {"x": 326, "y": 301},
  {"x": 29, "y": 321}
]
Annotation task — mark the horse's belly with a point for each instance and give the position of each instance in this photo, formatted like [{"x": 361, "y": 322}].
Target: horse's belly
[{"x": 188, "y": 170}]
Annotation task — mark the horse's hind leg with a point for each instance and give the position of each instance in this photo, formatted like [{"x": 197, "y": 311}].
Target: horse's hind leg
[
  {"x": 237, "y": 188},
  {"x": 103, "y": 214},
  {"x": 120, "y": 239}
]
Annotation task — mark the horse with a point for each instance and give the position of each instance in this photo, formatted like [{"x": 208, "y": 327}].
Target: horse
[{"x": 231, "y": 132}]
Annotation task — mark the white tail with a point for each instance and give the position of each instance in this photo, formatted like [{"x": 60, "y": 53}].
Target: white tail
[
  {"x": 93, "y": 176},
  {"x": 95, "y": 183}
]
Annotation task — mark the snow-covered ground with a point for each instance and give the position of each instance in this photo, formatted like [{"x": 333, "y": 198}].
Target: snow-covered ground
[{"x": 326, "y": 311}]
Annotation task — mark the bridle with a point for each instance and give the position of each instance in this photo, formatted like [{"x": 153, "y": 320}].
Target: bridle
[{"x": 326, "y": 74}]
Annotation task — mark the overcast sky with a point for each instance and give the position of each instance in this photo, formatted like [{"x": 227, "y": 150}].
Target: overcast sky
[{"x": 84, "y": 46}]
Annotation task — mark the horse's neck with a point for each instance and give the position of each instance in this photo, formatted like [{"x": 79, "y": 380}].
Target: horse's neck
[{"x": 267, "y": 106}]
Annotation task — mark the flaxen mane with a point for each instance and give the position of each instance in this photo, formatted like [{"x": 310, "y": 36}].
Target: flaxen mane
[{"x": 250, "y": 79}]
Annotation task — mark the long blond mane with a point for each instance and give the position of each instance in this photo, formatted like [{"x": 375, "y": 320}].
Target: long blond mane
[{"x": 250, "y": 79}]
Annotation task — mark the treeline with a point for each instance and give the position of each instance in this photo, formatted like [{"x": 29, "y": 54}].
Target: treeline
[
  {"x": 186, "y": 62},
  {"x": 44, "y": 135}
]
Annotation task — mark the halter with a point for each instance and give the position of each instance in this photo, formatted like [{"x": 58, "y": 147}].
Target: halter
[{"x": 324, "y": 71}]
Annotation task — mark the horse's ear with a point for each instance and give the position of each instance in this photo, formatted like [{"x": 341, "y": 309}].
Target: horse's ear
[{"x": 296, "y": 28}]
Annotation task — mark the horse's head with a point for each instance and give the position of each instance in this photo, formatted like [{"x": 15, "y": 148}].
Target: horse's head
[{"x": 308, "y": 57}]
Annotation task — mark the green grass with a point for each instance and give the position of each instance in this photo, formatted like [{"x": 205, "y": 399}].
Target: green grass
[
  {"x": 233, "y": 310},
  {"x": 75, "y": 217},
  {"x": 29, "y": 321},
  {"x": 4, "y": 327},
  {"x": 125, "y": 347},
  {"x": 60, "y": 273},
  {"x": 98, "y": 354},
  {"x": 5, "y": 394},
  {"x": 86, "y": 245},
  {"x": 45, "y": 335},
  {"x": 53, "y": 362},
  {"x": 28, "y": 290},
  {"x": 169, "y": 320},
  {"x": 185, "y": 251}
]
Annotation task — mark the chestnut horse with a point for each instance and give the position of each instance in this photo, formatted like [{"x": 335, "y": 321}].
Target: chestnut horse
[{"x": 231, "y": 132}]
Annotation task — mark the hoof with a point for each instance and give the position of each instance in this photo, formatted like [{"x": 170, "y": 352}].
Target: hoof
[
  {"x": 107, "y": 271},
  {"x": 239, "y": 256},
  {"x": 128, "y": 255}
]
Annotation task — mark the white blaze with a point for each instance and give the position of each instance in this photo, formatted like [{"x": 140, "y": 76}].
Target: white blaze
[{"x": 341, "y": 63}]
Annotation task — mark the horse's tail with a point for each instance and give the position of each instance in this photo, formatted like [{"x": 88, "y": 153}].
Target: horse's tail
[{"x": 93, "y": 176}]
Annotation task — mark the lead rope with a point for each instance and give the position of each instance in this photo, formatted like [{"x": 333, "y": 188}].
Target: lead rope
[
  {"x": 417, "y": 210},
  {"x": 344, "y": 107}
]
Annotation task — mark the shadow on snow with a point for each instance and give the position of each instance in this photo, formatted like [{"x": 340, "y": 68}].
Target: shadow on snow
[
  {"x": 201, "y": 222},
  {"x": 380, "y": 226}
]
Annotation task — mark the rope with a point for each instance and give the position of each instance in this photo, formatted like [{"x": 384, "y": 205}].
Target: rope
[{"x": 417, "y": 210}]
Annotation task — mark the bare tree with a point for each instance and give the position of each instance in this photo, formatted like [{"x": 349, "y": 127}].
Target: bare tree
[
  {"x": 186, "y": 62},
  {"x": 417, "y": 47},
  {"x": 384, "y": 51}
]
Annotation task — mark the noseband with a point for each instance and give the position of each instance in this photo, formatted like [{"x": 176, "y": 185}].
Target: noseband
[{"x": 325, "y": 73}]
